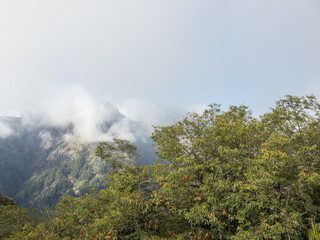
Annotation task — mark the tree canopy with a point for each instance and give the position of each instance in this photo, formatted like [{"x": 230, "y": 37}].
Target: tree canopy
[{"x": 221, "y": 175}]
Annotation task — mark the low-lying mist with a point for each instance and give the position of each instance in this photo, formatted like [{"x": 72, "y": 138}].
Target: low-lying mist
[{"x": 93, "y": 119}]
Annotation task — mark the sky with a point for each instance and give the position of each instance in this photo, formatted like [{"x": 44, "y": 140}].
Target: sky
[{"x": 155, "y": 60}]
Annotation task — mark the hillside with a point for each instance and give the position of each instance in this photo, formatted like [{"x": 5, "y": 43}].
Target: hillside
[{"x": 38, "y": 165}]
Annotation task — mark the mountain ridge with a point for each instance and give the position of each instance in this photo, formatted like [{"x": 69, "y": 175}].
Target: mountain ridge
[{"x": 40, "y": 162}]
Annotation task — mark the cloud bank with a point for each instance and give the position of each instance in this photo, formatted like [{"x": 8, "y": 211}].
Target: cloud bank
[{"x": 94, "y": 119}]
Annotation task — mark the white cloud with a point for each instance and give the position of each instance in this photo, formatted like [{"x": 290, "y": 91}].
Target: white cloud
[
  {"x": 95, "y": 119},
  {"x": 5, "y": 131},
  {"x": 88, "y": 114}
]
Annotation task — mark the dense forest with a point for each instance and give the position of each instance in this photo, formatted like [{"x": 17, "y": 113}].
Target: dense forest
[{"x": 221, "y": 175}]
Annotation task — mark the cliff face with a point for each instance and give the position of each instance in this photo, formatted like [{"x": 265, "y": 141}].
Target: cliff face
[{"x": 38, "y": 165}]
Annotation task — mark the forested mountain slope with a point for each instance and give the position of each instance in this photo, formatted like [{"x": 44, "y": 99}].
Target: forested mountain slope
[{"x": 38, "y": 165}]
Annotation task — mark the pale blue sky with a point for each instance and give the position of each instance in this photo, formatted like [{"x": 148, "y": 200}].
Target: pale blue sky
[{"x": 175, "y": 53}]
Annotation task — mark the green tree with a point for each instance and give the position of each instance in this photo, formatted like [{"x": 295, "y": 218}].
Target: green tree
[
  {"x": 222, "y": 175},
  {"x": 234, "y": 176},
  {"x": 12, "y": 217}
]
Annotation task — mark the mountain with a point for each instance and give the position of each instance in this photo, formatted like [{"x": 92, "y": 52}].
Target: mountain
[{"x": 41, "y": 162}]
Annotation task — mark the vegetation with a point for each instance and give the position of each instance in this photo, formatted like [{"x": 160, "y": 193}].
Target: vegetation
[
  {"x": 222, "y": 175},
  {"x": 73, "y": 172},
  {"x": 38, "y": 165},
  {"x": 12, "y": 217},
  {"x": 314, "y": 232}
]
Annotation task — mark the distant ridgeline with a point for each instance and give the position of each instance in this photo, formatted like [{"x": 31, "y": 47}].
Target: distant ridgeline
[{"x": 38, "y": 166}]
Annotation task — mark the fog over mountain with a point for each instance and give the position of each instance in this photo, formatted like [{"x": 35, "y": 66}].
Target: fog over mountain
[
  {"x": 48, "y": 150},
  {"x": 94, "y": 120},
  {"x": 4, "y": 130},
  {"x": 44, "y": 156}
]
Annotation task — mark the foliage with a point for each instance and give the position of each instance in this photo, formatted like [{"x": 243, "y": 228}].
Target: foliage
[
  {"x": 119, "y": 154},
  {"x": 314, "y": 232},
  {"x": 222, "y": 175},
  {"x": 5, "y": 201},
  {"x": 239, "y": 177},
  {"x": 12, "y": 219}
]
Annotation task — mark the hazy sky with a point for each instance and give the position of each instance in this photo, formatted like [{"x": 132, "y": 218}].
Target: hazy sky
[{"x": 154, "y": 57}]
